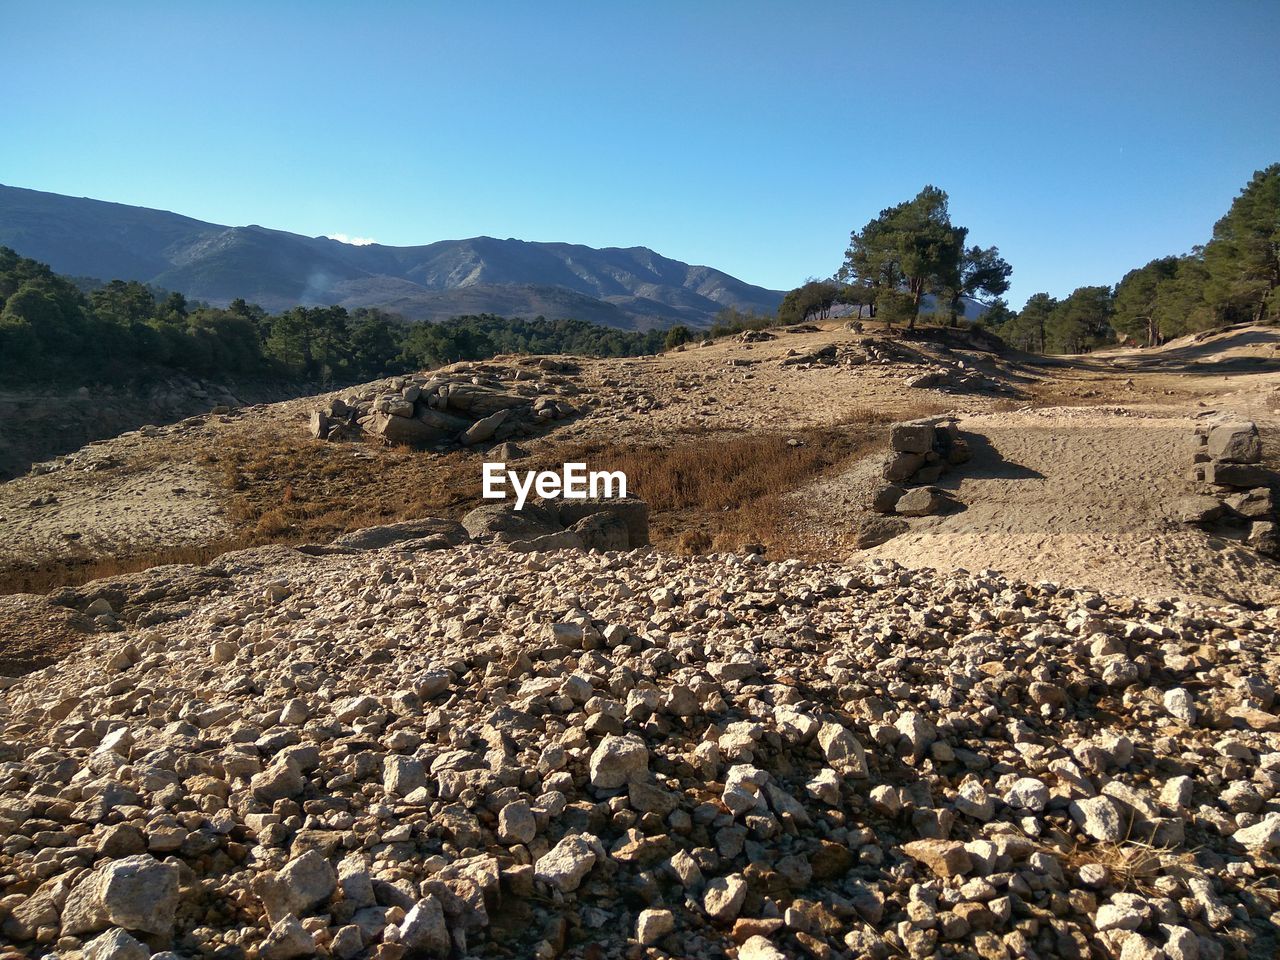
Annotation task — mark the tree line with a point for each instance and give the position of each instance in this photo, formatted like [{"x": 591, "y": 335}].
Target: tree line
[
  {"x": 912, "y": 251},
  {"x": 1233, "y": 278},
  {"x": 53, "y": 328}
]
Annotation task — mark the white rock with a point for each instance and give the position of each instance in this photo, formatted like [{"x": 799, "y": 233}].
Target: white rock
[
  {"x": 516, "y": 823},
  {"x": 1126, "y": 911},
  {"x": 138, "y": 893},
  {"x": 825, "y": 786},
  {"x": 1100, "y": 818},
  {"x": 1264, "y": 835},
  {"x": 402, "y": 775},
  {"x": 842, "y": 750},
  {"x": 617, "y": 760},
  {"x": 288, "y": 939},
  {"x": 652, "y": 925},
  {"x": 918, "y": 732},
  {"x": 1027, "y": 793},
  {"x": 742, "y": 788},
  {"x": 301, "y": 885},
  {"x": 1180, "y": 704},
  {"x": 759, "y": 948},
  {"x": 974, "y": 801},
  {"x": 723, "y": 897},
  {"x": 566, "y": 864},
  {"x": 423, "y": 929},
  {"x": 115, "y": 945}
]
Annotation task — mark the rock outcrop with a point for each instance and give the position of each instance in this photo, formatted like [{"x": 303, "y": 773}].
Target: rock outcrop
[
  {"x": 467, "y": 404},
  {"x": 1227, "y": 465}
]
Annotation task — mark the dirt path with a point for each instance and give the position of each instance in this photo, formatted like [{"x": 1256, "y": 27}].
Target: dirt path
[
  {"x": 1076, "y": 496},
  {"x": 112, "y": 511}
]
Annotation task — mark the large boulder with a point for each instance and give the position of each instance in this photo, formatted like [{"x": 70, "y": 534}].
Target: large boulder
[
  {"x": 603, "y": 531},
  {"x": 395, "y": 406},
  {"x": 303, "y": 883},
  {"x": 484, "y": 429},
  {"x": 319, "y": 426},
  {"x": 1264, "y": 536},
  {"x": 885, "y": 499},
  {"x": 564, "y": 540},
  {"x": 921, "y": 502},
  {"x": 479, "y": 401},
  {"x": 447, "y": 423},
  {"x": 137, "y": 893},
  {"x": 632, "y": 511},
  {"x": 912, "y": 437},
  {"x": 410, "y": 431},
  {"x": 1196, "y": 509},
  {"x": 1240, "y": 475},
  {"x": 1235, "y": 443},
  {"x": 1256, "y": 504},
  {"x": 503, "y": 522},
  {"x": 900, "y": 466}
]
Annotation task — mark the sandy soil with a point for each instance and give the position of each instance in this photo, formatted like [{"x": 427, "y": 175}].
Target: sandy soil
[{"x": 1081, "y": 496}]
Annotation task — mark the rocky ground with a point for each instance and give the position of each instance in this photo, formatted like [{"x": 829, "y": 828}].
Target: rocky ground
[
  {"x": 469, "y": 752},
  {"x": 184, "y": 483},
  {"x": 409, "y": 743}
]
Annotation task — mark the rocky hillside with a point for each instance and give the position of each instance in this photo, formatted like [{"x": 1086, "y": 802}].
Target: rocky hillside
[
  {"x": 622, "y": 287},
  {"x": 459, "y": 752}
]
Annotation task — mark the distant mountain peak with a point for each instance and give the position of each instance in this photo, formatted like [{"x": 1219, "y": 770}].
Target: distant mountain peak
[{"x": 617, "y": 286}]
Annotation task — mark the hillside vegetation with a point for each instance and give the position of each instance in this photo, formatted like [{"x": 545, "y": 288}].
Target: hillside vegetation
[{"x": 50, "y": 329}]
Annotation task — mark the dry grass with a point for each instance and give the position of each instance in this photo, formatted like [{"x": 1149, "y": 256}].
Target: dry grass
[
  {"x": 286, "y": 488},
  {"x": 282, "y": 488},
  {"x": 706, "y": 490},
  {"x": 721, "y": 491},
  {"x": 1133, "y": 863}
]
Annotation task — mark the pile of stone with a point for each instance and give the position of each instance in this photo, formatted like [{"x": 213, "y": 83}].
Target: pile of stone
[
  {"x": 956, "y": 377},
  {"x": 471, "y": 754},
  {"x": 581, "y": 524},
  {"x": 921, "y": 452},
  {"x": 867, "y": 351},
  {"x": 465, "y": 404},
  {"x": 1238, "y": 490}
]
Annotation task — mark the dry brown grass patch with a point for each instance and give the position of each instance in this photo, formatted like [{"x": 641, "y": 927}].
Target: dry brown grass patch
[
  {"x": 721, "y": 490},
  {"x": 706, "y": 490}
]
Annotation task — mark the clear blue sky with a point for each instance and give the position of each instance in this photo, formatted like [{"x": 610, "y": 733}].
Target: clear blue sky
[{"x": 1082, "y": 138}]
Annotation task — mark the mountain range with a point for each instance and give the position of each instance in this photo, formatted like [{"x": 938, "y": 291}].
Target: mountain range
[{"x": 628, "y": 287}]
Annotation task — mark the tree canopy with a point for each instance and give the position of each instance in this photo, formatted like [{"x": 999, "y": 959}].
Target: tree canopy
[
  {"x": 1242, "y": 260},
  {"x": 1233, "y": 278},
  {"x": 914, "y": 248}
]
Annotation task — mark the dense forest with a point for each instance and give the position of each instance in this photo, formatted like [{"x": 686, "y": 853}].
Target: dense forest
[{"x": 53, "y": 328}]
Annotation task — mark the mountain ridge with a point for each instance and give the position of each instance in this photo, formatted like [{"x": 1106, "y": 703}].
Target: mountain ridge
[{"x": 633, "y": 287}]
